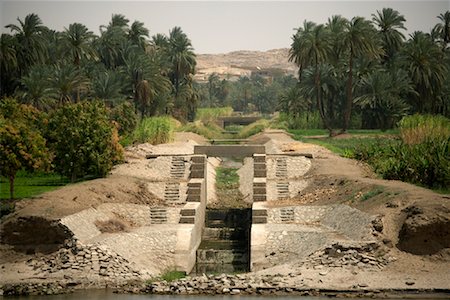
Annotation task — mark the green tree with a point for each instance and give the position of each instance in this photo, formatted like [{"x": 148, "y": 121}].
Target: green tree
[
  {"x": 77, "y": 43},
  {"x": 382, "y": 96},
  {"x": 30, "y": 40},
  {"x": 138, "y": 34},
  {"x": 68, "y": 81},
  {"x": 86, "y": 144},
  {"x": 315, "y": 48},
  {"x": 8, "y": 64},
  {"x": 36, "y": 89},
  {"x": 389, "y": 23},
  {"x": 442, "y": 30},
  {"x": 21, "y": 144},
  {"x": 422, "y": 59},
  {"x": 182, "y": 57},
  {"x": 361, "y": 41}
]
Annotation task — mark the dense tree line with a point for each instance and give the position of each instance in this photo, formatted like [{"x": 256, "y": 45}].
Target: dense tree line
[
  {"x": 248, "y": 94},
  {"x": 369, "y": 67},
  {"x": 47, "y": 68}
]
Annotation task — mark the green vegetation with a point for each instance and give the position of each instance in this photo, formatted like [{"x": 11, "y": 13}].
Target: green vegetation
[
  {"x": 170, "y": 275},
  {"x": 365, "y": 72},
  {"x": 372, "y": 193},
  {"x": 209, "y": 130},
  {"x": 32, "y": 184},
  {"x": 206, "y": 114},
  {"x": 420, "y": 157},
  {"x": 253, "y": 128},
  {"x": 83, "y": 140},
  {"x": 155, "y": 130},
  {"x": 21, "y": 143},
  {"x": 48, "y": 68},
  {"x": 227, "y": 178}
]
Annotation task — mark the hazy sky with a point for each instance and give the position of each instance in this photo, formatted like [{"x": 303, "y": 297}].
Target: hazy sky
[{"x": 219, "y": 26}]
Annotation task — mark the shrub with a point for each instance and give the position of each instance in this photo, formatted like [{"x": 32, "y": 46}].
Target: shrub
[
  {"x": 21, "y": 143},
  {"x": 126, "y": 117},
  {"x": 304, "y": 120},
  {"x": 209, "y": 113},
  {"x": 421, "y": 128},
  {"x": 83, "y": 140},
  {"x": 209, "y": 130},
  {"x": 154, "y": 130},
  {"x": 420, "y": 157},
  {"x": 254, "y": 128}
]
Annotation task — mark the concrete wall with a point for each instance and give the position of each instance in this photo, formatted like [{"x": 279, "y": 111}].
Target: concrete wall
[
  {"x": 211, "y": 164},
  {"x": 297, "y": 231},
  {"x": 246, "y": 179},
  {"x": 229, "y": 150},
  {"x": 189, "y": 236}
]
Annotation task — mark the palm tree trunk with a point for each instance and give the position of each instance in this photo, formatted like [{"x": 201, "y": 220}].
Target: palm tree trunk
[
  {"x": 320, "y": 104},
  {"x": 348, "y": 108},
  {"x": 11, "y": 186}
]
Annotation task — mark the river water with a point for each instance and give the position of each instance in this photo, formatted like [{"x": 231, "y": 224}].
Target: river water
[{"x": 108, "y": 295}]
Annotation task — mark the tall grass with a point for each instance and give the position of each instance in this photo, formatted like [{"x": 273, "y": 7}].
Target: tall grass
[
  {"x": 305, "y": 120},
  {"x": 154, "y": 130},
  {"x": 209, "y": 130},
  {"x": 213, "y": 113},
  {"x": 253, "y": 128},
  {"x": 421, "y": 128},
  {"x": 422, "y": 156}
]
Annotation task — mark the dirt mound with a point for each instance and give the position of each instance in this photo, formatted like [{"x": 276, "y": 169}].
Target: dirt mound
[
  {"x": 34, "y": 234},
  {"x": 425, "y": 231},
  {"x": 77, "y": 197}
]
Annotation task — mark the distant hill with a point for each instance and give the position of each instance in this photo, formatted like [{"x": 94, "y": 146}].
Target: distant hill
[{"x": 234, "y": 64}]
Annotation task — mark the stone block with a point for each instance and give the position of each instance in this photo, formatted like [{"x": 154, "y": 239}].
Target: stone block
[
  {"x": 259, "y": 212},
  {"x": 259, "y": 197},
  {"x": 259, "y": 158},
  {"x": 259, "y": 166},
  {"x": 193, "y": 198},
  {"x": 187, "y": 220},
  {"x": 197, "y": 174},
  {"x": 260, "y": 173},
  {"x": 259, "y": 190},
  {"x": 259, "y": 220},
  {"x": 189, "y": 212},
  {"x": 198, "y": 159}
]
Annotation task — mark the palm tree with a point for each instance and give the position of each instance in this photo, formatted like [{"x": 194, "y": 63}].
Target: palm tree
[
  {"x": 389, "y": 23},
  {"x": 422, "y": 58},
  {"x": 442, "y": 30},
  {"x": 361, "y": 41},
  {"x": 30, "y": 41},
  {"x": 381, "y": 96},
  {"x": 36, "y": 88},
  {"x": 182, "y": 57},
  {"x": 140, "y": 68},
  {"x": 8, "y": 63},
  {"x": 117, "y": 21},
  {"x": 297, "y": 52},
  {"x": 314, "y": 50},
  {"x": 67, "y": 80},
  {"x": 336, "y": 26},
  {"x": 77, "y": 43},
  {"x": 108, "y": 85},
  {"x": 138, "y": 34}
]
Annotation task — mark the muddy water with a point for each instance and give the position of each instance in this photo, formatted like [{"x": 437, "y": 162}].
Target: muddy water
[{"x": 107, "y": 295}]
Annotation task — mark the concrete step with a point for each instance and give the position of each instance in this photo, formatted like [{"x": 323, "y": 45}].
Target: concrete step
[
  {"x": 158, "y": 215},
  {"x": 225, "y": 233},
  {"x": 206, "y": 268},
  {"x": 187, "y": 220},
  {"x": 259, "y": 197},
  {"x": 214, "y": 256}
]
